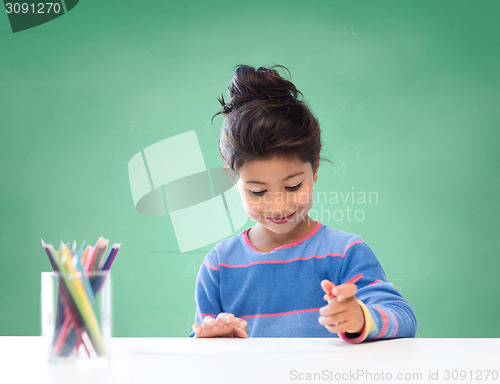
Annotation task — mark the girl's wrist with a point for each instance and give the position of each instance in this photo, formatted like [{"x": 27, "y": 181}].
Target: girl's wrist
[{"x": 368, "y": 327}]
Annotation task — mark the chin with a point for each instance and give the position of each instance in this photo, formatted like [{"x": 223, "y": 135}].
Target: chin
[{"x": 280, "y": 228}]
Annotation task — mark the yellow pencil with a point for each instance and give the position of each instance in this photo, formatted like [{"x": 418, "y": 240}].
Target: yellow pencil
[{"x": 86, "y": 308}]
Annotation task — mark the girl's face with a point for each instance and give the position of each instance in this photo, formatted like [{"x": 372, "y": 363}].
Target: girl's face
[{"x": 277, "y": 192}]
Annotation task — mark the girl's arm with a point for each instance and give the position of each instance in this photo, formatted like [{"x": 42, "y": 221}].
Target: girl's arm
[
  {"x": 386, "y": 313},
  {"x": 210, "y": 321}
]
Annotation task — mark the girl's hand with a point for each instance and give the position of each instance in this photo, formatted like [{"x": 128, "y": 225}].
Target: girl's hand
[
  {"x": 225, "y": 325},
  {"x": 343, "y": 312}
]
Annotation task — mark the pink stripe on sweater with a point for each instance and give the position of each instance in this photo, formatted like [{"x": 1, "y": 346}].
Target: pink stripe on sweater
[
  {"x": 273, "y": 261},
  {"x": 247, "y": 240},
  {"x": 312, "y": 232},
  {"x": 209, "y": 266},
  {"x": 397, "y": 325},
  {"x": 304, "y": 238},
  {"x": 280, "y": 314},
  {"x": 205, "y": 314},
  {"x": 385, "y": 322},
  {"x": 297, "y": 242},
  {"x": 353, "y": 243},
  {"x": 280, "y": 261}
]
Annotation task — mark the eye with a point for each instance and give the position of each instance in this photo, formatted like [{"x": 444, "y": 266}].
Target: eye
[
  {"x": 257, "y": 193},
  {"x": 294, "y": 188}
]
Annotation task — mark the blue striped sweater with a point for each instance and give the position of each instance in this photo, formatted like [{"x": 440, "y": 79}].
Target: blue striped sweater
[{"x": 279, "y": 293}]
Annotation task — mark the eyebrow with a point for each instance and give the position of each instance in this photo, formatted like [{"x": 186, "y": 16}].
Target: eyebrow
[{"x": 285, "y": 179}]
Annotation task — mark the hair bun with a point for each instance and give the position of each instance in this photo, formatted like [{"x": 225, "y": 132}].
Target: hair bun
[{"x": 250, "y": 84}]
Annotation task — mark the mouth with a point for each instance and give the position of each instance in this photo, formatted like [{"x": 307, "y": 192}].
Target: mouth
[{"x": 281, "y": 220}]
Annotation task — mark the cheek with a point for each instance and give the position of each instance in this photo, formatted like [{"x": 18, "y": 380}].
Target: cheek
[
  {"x": 251, "y": 206},
  {"x": 305, "y": 198},
  {"x": 254, "y": 208}
]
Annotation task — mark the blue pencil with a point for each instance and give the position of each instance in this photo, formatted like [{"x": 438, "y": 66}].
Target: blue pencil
[{"x": 99, "y": 280}]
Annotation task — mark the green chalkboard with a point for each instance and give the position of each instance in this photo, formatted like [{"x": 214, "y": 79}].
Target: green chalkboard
[{"x": 406, "y": 94}]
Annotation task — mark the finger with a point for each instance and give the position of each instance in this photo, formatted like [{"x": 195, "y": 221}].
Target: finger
[
  {"x": 240, "y": 332},
  {"x": 240, "y": 322},
  {"x": 328, "y": 320},
  {"x": 351, "y": 319},
  {"x": 329, "y": 297},
  {"x": 237, "y": 320},
  {"x": 223, "y": 318},
  {"x": 339, "y": 328},
  {"x": 232, "y": 324},
  {"x": 335, "y": 307},
  {"x": 237, "y": 323},
  {"x": 344, "y": 291},
  {"x": 201, "y": 331},
  {"x": 230, "y": 320},
  {"x": 208, "y": 320},
  {"x": 327, "y": 286},
  {"x": 349, "y": 326},
  {"x": 196, "y": 328},
  {"x": 336, "y": 319}
]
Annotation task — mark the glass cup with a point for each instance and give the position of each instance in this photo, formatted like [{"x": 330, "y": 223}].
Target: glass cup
[{"x": 76, "y": 315}]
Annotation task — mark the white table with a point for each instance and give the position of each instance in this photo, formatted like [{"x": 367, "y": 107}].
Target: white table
[{"x": 273, "y": 361}]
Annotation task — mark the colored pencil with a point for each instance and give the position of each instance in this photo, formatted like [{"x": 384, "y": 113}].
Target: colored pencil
[
  {"x": 76, "y": 322},
  {"x": 355, "y": 279}
]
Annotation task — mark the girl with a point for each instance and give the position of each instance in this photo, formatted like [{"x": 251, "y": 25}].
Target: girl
[{"x": 274, "y": 278}]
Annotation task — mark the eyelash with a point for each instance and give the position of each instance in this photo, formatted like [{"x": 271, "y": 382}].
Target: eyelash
[{"x": 291, "y": 189}]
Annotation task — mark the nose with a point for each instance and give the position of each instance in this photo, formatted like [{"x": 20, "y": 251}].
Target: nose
[{"x": 279, "y": 206}]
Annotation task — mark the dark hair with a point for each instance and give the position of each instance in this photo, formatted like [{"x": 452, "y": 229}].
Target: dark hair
[{"x": 264, "y": 117}]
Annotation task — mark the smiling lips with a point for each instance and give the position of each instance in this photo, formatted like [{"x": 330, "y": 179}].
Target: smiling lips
[{"x": 281, "y": 220}]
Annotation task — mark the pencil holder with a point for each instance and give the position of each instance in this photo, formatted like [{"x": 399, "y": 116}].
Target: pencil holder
[{"x": 76, "y": 315}]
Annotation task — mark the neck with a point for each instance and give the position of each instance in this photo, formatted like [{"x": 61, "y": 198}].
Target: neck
[{"x": 263, "y": 238}]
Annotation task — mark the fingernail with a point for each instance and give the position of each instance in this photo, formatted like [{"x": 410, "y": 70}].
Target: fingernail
[
  {"x": 320, "y": 320},
  {"x": 243, "y": 323}
]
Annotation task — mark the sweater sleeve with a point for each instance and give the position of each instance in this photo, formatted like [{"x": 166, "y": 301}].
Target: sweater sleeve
[
  {"x": 387, "y": 314},
  {"x": 207, "y": 289}
]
